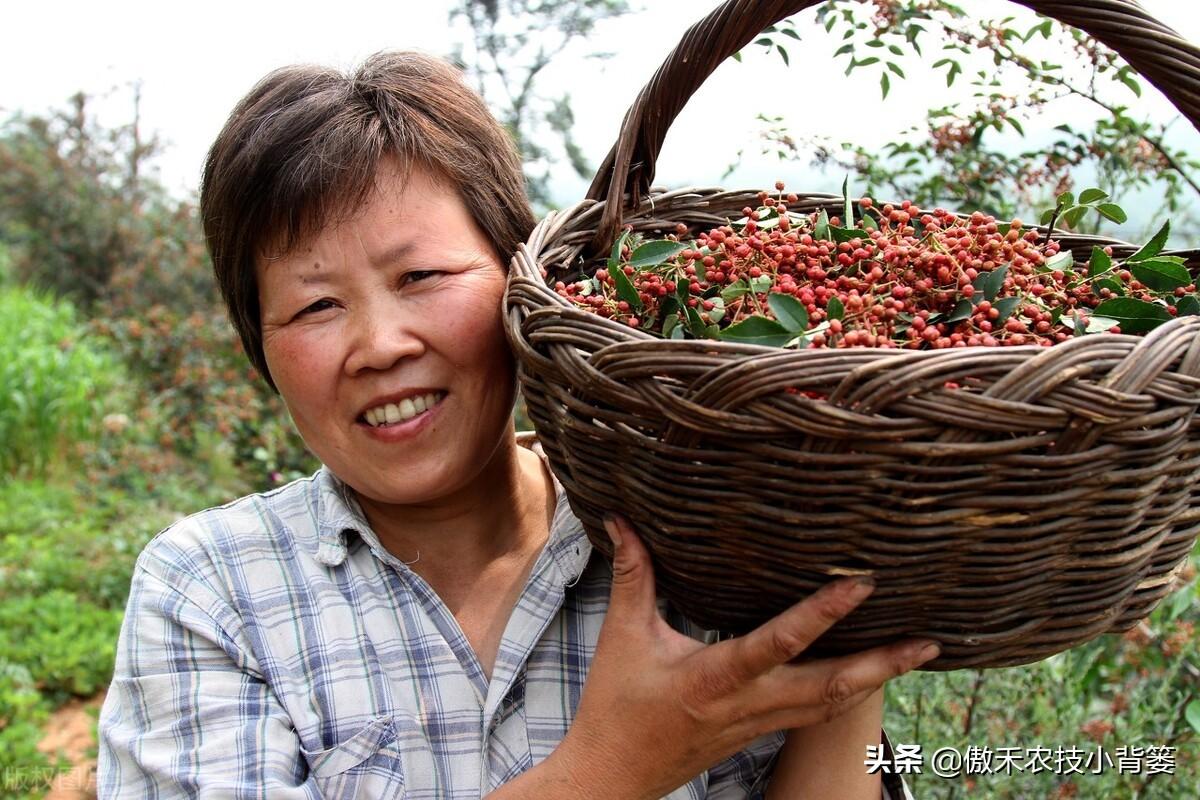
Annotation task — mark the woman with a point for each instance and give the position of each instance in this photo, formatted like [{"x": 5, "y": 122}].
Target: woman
[{"x": 418, "y": 618}]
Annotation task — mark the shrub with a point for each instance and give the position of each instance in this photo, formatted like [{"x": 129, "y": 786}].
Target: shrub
[
  {"x": 67, "y": 644},
  {"x": 52, "y": 378},
  {"x": 52, "y": 537},
  {"x": 24, "y": 771}
]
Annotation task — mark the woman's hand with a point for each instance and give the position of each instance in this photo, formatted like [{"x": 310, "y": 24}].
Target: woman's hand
[{"x": 659, "y": 708}]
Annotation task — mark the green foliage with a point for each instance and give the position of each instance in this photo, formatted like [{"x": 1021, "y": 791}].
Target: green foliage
[
  {"x": 54, "y": 377},
  {"x": 964, "y": 156},
  {"x": 1130, "y": 690},
  {"x": 52, "y": 539},
  {"x": 24, "y": 771},
  {"x": 67, "y": 644},
  {"x": 201, "y": 396}
]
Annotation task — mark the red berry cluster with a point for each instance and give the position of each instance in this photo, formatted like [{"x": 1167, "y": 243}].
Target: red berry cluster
[{"x": 903, "y": 277}]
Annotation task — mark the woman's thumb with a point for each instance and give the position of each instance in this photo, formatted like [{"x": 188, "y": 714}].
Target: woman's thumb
[{"x": 633, "y": 573}]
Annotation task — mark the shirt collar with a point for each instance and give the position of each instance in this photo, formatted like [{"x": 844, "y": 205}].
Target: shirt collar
[{"x": 338, "y": 512}]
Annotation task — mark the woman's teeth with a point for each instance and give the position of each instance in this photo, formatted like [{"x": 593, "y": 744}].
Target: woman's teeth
[{"x": 406, "y": 409}]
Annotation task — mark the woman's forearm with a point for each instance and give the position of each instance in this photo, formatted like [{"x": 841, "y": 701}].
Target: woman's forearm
[{"x": 827, "y": 760}]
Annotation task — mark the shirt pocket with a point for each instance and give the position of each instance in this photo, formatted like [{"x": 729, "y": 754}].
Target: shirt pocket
[{"x": 368, "y": 764}]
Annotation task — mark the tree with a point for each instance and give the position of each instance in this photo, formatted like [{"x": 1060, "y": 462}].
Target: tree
[
  {"x": 82, "y": 214},
  {"x": 955, "y": 158},
  {"x": 514, "y": 41}
]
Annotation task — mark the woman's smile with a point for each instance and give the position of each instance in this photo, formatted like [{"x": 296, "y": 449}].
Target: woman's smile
[{"x": 394, "y": 422}]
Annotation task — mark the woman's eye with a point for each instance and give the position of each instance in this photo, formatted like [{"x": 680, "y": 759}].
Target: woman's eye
[
  {"x": 419, "y": 274},
  {"x": 313, "y": 308}
]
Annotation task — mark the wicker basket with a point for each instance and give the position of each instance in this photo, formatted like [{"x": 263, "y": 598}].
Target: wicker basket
[{"x": 1052, "y": 499}]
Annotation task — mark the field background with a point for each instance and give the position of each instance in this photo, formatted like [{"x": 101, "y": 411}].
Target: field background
[{"x": 126, "y": 402}]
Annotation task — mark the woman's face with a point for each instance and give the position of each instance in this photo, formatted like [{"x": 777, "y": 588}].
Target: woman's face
[{"x": 365, "y": 322}]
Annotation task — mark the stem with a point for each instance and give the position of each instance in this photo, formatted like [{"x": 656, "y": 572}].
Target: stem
[{"x": 970, "y": 718}]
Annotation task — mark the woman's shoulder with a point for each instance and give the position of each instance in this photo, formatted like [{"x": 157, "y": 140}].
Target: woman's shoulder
[{"x": 269, "y": 524}]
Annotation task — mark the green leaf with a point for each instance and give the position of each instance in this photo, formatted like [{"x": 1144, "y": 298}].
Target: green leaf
[
  {"x": 848, "y": 211},
  {"x": 761, "y": 284},
  {"x": 588, "y": 287},
  {"x": 614, "y": 260},
  {"x": 1114, "y": 212},
  {"x": 1092, "y": 195},
  {"x": 1178, "y": 603},
  {"x": 718, "y": 310},
  {"x": 840, "y": 235},
  {"x": 625, "y": 289},
  {"x": 678, "y": 332},
  {"x": 869, "y": 223},
  {"x": 846, "y": 48},
  {"x": 1099, "y": 263},
  {"x": 735, "y": 290},
  {"x": 1124, "y": 76},
  {"x": 757, "y": 330},
  {"x": 896, "y": 69},
  {"x": 836, "y": 309},
  {"x": 821, "y": 228},
  {"x": 654, "y": 253},
  {"x": 1016, "y": 125},
  {"x": 962, "y": 310},
  {"x": 1048, "y": 215},
  {"x": 1192, "y": 714},
  {"x": 1134, "y": 316},
  {"x": 1154, "y": 246},
  {"x": 790, "y": 312},
  {"x": 669, "y": 325},
  {"x": 1066, "y": 199},
  {"x": 695, "y": 324},
  {"x": 1006, "y": 306},
  {"x": 885, "y": 84},
  {"x": 955, "y": 69},
  {"x": 1073, "y": 215},
  {"x": 1098, "y": 324},
  {"x": 1080, "y": 327},
  {"x": 1111, "y": 284},
  {"x": 1160, "y": 275},
  {"x": 1188, "y": 306},
  {"x": 1063, "y": 260},
  {"x": 782, "y": 54},
  {"x": 994, "y": 282}
]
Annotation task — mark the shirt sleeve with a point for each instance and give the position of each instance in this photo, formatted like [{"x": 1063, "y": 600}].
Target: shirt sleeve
[
  {"x": 745, "y": 774},
  {"x": 188, "y": 714}
]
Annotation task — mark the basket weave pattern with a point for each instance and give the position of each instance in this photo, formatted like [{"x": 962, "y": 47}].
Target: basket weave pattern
[{"x": 1050, "y": 499}]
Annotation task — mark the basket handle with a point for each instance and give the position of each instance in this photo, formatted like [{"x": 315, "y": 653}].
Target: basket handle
[{"x": 1158, "y": 53}]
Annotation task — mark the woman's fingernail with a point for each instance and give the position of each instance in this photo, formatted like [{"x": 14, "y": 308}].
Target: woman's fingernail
[
  {"x": 928, "y": 651},
  {"x": 610, "y": 525},
  {"x": 862, "y": 586}
]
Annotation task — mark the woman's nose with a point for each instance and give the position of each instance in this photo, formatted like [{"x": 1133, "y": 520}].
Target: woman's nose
[{"x": 379, "y": 340}]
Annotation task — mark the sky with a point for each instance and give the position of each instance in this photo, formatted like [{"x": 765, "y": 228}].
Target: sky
[{"x": 194, "y": 61}]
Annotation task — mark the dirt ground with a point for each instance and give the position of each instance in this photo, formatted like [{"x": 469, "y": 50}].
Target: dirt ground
[{"x": 69, "y": 732}]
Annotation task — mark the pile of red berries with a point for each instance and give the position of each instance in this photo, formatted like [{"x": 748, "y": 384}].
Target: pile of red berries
[{"x": 900, "y": 277}]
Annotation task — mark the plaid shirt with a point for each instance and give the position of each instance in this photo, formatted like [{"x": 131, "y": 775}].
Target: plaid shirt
[{"x": 273, "y": 649}]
